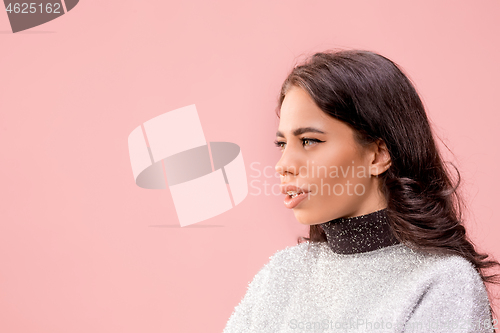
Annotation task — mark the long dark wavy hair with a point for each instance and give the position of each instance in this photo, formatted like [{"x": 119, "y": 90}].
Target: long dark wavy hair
[{"x": 372, "y": 94}]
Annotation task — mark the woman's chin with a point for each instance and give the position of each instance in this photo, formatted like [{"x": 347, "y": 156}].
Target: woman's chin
[{"x": 305, "y": 220}]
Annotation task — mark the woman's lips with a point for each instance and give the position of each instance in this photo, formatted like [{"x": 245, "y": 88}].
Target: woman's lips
[{"x": 293, "y": 202}]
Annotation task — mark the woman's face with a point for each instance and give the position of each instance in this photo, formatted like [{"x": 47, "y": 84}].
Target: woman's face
[{"x": 320, "y": 154}]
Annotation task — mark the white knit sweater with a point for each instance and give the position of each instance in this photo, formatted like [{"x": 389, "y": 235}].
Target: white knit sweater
[{"x": 310, "y": 288}]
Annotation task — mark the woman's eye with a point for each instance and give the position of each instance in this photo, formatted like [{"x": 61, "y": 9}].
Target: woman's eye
[
  {"x": 311, "y": 142},
  {"x": 308, "y": 140},
  {"x": 281, "y": 144}
]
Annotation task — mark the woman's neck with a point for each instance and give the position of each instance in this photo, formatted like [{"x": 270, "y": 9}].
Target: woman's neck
[{"x": 358, "y": 234}]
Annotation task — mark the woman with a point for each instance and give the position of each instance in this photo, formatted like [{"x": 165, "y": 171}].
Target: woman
[{"x": 387, "y": 251}]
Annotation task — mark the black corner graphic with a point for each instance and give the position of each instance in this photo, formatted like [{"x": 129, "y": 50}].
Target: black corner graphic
[{"x": 26, "y": 15}]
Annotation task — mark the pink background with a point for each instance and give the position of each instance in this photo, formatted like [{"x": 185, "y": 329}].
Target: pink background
[{"x": 83, "y": 249}]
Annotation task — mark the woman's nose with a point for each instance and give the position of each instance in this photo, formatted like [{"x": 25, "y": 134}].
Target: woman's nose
[{"x": 286, "y": 166}]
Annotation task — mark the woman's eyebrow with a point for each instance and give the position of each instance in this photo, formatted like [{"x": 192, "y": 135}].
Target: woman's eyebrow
[{"x": 301, "y": 130}]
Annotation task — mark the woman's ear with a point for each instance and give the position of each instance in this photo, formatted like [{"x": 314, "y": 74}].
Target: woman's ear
[{"x": 380, "y": 158}]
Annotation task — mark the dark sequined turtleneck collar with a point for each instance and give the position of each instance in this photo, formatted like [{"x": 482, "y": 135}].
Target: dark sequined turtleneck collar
[{"x": 358, "y": 234}]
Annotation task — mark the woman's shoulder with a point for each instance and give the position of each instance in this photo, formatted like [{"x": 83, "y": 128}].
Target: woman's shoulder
[
  {"x": 415, "y": 267},
  {"x": 441, "y": 264},
  {"x": 410, "y": 260},
  {"x": 451, "y": 290},
  {"x": 294, "y": 258},
  {"x": 298, "y": 253},
  {"x": 291, "y": 253},
  {"x": 401, "y": 258}
]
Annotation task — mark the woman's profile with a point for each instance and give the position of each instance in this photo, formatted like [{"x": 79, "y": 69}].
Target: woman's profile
[{"x": 387, "y": 250}]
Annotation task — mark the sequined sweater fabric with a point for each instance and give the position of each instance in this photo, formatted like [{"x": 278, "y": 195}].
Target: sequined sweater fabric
[{"x": 321, "y": 287}]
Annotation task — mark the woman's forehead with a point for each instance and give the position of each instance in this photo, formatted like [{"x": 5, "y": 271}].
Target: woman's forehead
[{"x": 299, "y": 110}]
